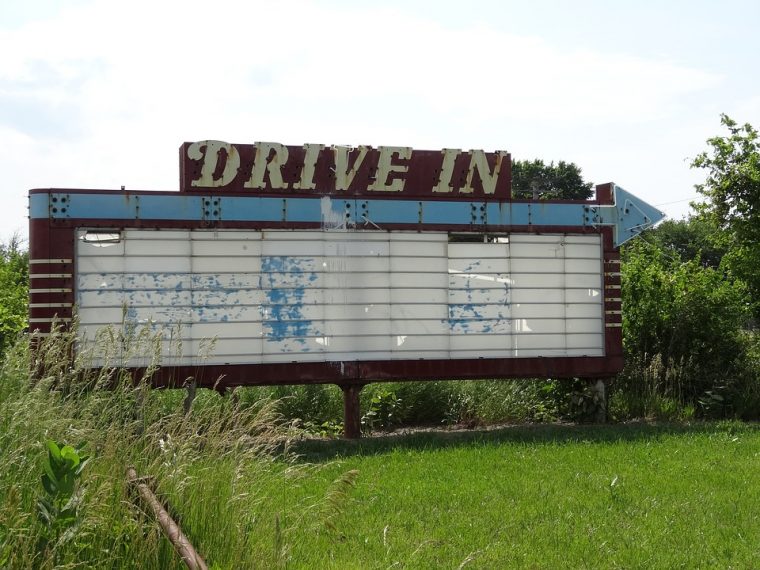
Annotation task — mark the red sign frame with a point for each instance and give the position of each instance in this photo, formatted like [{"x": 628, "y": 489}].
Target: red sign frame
[{"x": 318, "y": 170}]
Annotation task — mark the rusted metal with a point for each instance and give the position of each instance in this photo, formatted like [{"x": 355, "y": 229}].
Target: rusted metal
[
  {"x": 352, "y": 419},
  {"x": 171, "y": 529},
  {"x": 315, "y": 169},
  {"x": 51, "y": 275}
]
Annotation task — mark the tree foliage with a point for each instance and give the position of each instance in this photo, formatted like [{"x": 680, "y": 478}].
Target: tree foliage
[
  {"x": 682, "y": 313},
  {"x": 14, "y": 291},
  {"x": 732, "y": 205},
  {"x": 561, "y": 181},
  {"x": 692, "y": 238}
]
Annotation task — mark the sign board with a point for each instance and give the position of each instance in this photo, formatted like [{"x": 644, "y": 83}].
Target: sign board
[
  {"x": 313, "y": 169},
  {"x": 278, "y": 264}
]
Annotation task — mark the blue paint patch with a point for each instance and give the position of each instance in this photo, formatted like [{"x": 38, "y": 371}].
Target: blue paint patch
[
  {"x": 468, "y": 317},
  {"x": 285, "y": 281}
]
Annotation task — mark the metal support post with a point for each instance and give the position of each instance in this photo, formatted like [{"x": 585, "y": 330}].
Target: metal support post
[{"x": 352, "y": 419}]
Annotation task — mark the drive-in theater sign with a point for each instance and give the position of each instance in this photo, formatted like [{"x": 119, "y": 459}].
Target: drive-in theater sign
[{"x": 331, "y": 264}]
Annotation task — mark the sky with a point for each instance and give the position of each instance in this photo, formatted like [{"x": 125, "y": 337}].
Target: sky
[{"x": 100, "y": 94}]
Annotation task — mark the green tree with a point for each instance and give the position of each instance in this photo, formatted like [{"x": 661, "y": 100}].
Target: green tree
[
  {"x": 562, "y": 181},
  {"x": 732, "y": 205},
  {"x": 14, "y": 291},
  {"x": 692, "y": 238},
  {"x": 687, "y": 316}
]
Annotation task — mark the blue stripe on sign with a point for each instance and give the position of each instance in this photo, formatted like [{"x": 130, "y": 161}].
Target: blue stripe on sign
[
  {"x": 38, "y": 206},
  {"x": 629, "y": 216},
  {"x": 315, "y": 210}
]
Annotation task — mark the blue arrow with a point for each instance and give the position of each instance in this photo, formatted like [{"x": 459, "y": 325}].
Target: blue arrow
[{"x": 628, "y": 216}]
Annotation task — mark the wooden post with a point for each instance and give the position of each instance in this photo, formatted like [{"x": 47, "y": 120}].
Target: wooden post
[
  {"x": 191, "y": 386},
  {"x": 352, "y": 419},
  {"x": 599, "y": 393},
  {"x": 172, "y": 531}
]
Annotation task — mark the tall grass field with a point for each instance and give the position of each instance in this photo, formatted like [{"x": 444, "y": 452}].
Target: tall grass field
[{"x": 252, "y": 490}]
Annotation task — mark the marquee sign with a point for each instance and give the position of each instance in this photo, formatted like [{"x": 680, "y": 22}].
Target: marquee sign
[
  {"x": 277, "y": 264},
  {"x": 316, "y": 169}
]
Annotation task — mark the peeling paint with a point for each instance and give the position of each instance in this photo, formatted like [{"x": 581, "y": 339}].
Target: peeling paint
[
  {"x": 468, "y": 317},
  {"x": 284, "y": 283}
]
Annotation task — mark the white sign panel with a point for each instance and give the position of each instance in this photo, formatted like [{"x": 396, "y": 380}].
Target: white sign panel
[{"x": 295, "y": 296}]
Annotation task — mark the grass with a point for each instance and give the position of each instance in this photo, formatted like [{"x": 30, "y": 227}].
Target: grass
[
  {"x": 252, "y": 493},
  {"x": 632, "y": 496}
]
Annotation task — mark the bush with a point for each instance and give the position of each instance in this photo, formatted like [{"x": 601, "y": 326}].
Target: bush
[
  {"x": 684, "y": 335},
  {"x": 14, "y": 292}
]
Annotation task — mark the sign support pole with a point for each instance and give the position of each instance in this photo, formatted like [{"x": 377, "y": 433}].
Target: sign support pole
[
  {"x": 352, "y": 419},
  {"x": 599, "y": 393}
]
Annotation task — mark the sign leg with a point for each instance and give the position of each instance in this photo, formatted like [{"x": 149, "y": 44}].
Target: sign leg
[
  {"x": 191, "y": 387},
  {"x": 599, "y": 393},
  {"x": 352, "y": 419}
]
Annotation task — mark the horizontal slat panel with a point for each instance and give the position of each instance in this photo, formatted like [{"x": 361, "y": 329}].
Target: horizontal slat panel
[
  {"x": 356, "y": 249},
  {"x": 500, "y": 296},
  {"x": 556, "y": 295},
  {"x": 483, "y": 266},
  {"x": 226, "y": 345},
  {"x": 207, "y": 297},
  {"x": 556, "y": 266},
  {"x": 556, "y": 280},
  {"x": 552, "y": 238},
  {"x": 225, "y": 281},
  {"x": 133, "y": 298},
  {"x": 229, "y": 248},
  {"x": 586, "y": 311},
  {"x": 585, "y": 340},
  {"x": 358, "y": 312},
  {"x": 348, "y": 264},
  {"x": 419, "y": 280},
  {"x": 478, "y": 250},
  {"x": 418, "y": 237},
  {"x": 346, "y": 280},
  {"x": 227, "y": 330},
  {"x": 585, "y": 325},
  {"x": 225, "y": 235},
  {"x": 480, "y": 326},
  {"x": 419, "y": 264},
  {"x": 354, "y": 296},
  {"x": 479, "y": 280},
  {"x": 549, "y": 352},
  {"x": 352, "y": 328},
  {"x": 483, "y": 353},
  {"x": 583, "y": 251},
  {"x": 211, "y": 264},
  {"x": 163, "y": 235},
  {"x": 227, "y": 313},
  {"x": 476, "y": 311},
  {"x": 313, "y": 247},
  {"x": 419, "y": 326},
  {"x": 481, "y": 342},
  {"x": 418, "y": 249},
  {"x": 404, "y": 311},
  {"x": 410, "y": 296},
  {"x": 412, "y": 343},
  {"x": 161, "y": 247}
]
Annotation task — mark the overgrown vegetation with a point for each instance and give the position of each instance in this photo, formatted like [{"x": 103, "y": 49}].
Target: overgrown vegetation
[
  {"x": 14, "y": 291},
  {"x": 217, "y": 468}
]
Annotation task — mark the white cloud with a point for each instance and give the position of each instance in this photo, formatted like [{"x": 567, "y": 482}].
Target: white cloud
[{"x": 116, "y": 87}]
